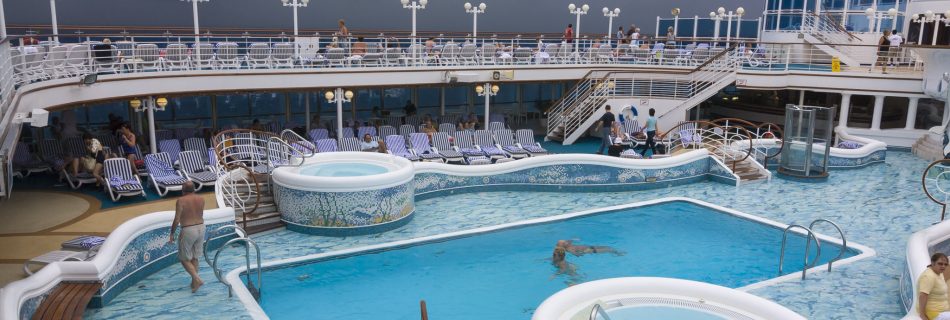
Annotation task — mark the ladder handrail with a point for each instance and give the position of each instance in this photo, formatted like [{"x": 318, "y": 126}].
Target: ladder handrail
[
  {"x": 844, "y": 242},
  {"x": 808, "y": 235},
  {"x": 598, "y": 310},
  {"x": 237, "y": 230},
  {"x": 247, "y": 244}
]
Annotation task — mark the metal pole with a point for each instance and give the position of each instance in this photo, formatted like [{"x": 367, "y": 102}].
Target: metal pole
[
  {"x": 729, "y": 28},
  {"x": 778, "y": 16},
  {"x": 475, "y": 25},
  {"x": 758, "y": 29},
  {"x": 151, "y": 124},
  {"x": 488, "y": 95},
  {"x": 3, "y": 22},
  {"x": 695, "y": 26},
  {"x": 194, "y": 10},
  {"x": 577, "y": 37},
  {"x": 442, "y": 102},
  {"x": 920, "y": 33},
  {"x": 657, "y": 34},
  {"x": 306, "y": 111},
  {"x": 676, "y": 26},
  {"x": 339, "y": 112},
  {"x": 52, "y": 9},
  {"x": 610, "y": 27},
  {"x": 936, "y": 30},
  {"x": 295, "y": 19},
  {"x": 413, "y": 22},
  {"x": 738, "y": 28},
  {"x": 717, "y": 20}
]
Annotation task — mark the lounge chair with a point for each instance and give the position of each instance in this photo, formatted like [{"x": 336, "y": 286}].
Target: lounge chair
[
  {"x": 506, "y": 141},
  {"x": 385, "y": 131},
  {"x": 80, "y": 249},
  {"x": 23, "y": 160},
  {"x": 364, "y": 130},
  {"x": 396, "y": 145},
  {"x": 76, "y": 149},
  {"x": 484, "y": 141},
  {"x": 326, "y": 145},
  {"x": 347, "y": 133},
  {"x": 407, "y": 129},
  {"x": 163, "y": 176},
  {"x": 632, "y": 132},
  {"x": 442, "y": 145},
  {"x": 172, "y": 147},
  {"x": 463, "y": 140},
  {"x": 196, "y": 170},
  {"x": 422, "y": 148},
  {"x": 525, "y": 138},
  {"x": 350, "y": 144},
  {"x": 318, "y": 134},
  {"x": 120, "y": 182},
  {"x": 447, "y": 128}
]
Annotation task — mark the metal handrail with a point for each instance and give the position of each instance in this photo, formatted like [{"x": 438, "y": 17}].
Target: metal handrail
[
  {"x": 237, "y": 230},
  {"x": 598, "y": 311},
  {"x": 923, "y": 184},
  {"x": 808, "y": 235},
  {"x": 247, "y": 254},
  {"x": 844, "y": 242}
]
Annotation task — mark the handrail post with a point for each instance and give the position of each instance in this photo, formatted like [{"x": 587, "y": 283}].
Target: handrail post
[
  {"x": 809, "y": 235},
  {"x": 424, "y": 310}
]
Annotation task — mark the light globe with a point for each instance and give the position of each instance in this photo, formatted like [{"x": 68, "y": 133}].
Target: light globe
[
  {"x": 892, "y": 12},
  {"x": 328, "y": 95},
  {"x": 349, "y": 94},
  {"x": 585, "y": 8},
  {"x": 929, "y": 14},
  {"x": 869, "y": 11},
  {"x": 468, "y": 6},
  {"x": 423, "y": 2},
  {"x": 606, "y": 10},
  {"x": 404, "y": 2},
  {"x": 479, "y": 89},
  {"x": 482, "y": 6},
  {"x": 721, "y": 11},
  {"x": 740, "y": 11},
  {"x": 495, "y": 88},
  {"x": 616, "y": 10}
]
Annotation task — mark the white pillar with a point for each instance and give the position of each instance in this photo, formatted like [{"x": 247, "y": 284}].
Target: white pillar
[
  {"x": 801, "y": 98},
  {"x": 695, "y": 26},
  {"x": 52, "y": 9},
  {"x": 844, "y": 17},
  {"x": 729, "y": 28},
  {"x": 194, "y": 10},
  {"x": 442, "y": 102},
  {"x": 739, "y": 28},
  {"x": 878, "y": 110},
  {"x": 758, "y": 28},
  {"x": 487, "y": 96},
  {"x": 946, "y": 114},
  {"x": 845, "y": 109},
  {"x": 295, "y": 19},
  {"x": 911, "y": 113},
  {"x": 413, "y": 23},
  {"x": 339, "y": 112},
  {"x": 716, "y": 22},
  {"x": 475, "y": 27},
  {"x": 306, "y": 111},
  {"x": 577, "y": 37},
  {"x": 657, "y": 34},
  {"x": 150, "y": 106},
  {"x": 3, "y": 22},
  {"x": 610, "y": 28},
  {"x": 778, "y": 16},
  {"x": 676, "y": 26},
  {"x": 804, "y": 12}
]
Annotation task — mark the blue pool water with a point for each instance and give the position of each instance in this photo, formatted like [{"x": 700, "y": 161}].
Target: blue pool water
[
  {"x": 506, "y": 274},
  {"x": 342, "y": 170},
  {"x": 660, "y": 313}
]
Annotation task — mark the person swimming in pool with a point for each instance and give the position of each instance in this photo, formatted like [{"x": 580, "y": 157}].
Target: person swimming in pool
[
  {"x": 559, "y": 260},
  {"x": 579, "y": 250}
]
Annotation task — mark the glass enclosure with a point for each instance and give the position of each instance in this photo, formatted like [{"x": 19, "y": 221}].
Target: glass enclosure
[{"x": 807, "y": 141}]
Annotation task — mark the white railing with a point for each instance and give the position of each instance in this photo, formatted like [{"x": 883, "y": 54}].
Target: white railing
[{"x": 828, "y": 31}]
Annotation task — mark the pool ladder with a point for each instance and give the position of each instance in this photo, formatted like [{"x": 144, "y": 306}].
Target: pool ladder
[
  {"x": 808, "y": 237},
  {"x": 598, "y": 312},
  {"x": 248, "y": 243}
]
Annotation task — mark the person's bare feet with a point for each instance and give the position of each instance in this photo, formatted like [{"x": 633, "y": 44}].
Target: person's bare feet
[{"x": 195, "y": 284}]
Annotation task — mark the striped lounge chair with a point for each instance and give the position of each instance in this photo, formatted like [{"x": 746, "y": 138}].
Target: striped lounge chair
[
  {"x": 23, "y": 160},
  {"x": 473, "y": 155},
  {"x": 407, "y": 129},
  {"x": 364, "y": 130},
  {"x": 196, "y": 170},
  {"x": 318, "y": 134},
  {"x": 350, "y": 144},
  {"x": 447, "y": 128},
  {"x": 326, "y": 145},
  {"x": 441, "y": 143},
  {"x": 172, "y": 147},
  {"x": 163, "y": 176},
  {"x": 484, "y": 141},
  {"x": 347, "y": 133},
  {"x": 525, "y": 138},
  {"x": 422, "y": 148},
  {"x": 120, "y": 182},
  {"x": 385, "y": 131},
  {"x": 396, "y": 145},
  {"x": 75, "y": 148},
  {"x": 507, "y": 143}
]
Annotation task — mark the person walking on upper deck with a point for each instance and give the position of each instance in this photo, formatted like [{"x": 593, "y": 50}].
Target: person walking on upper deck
[
  {"x": 621, "y": 36},
  {"x": 569, "y": 33},
  {"x": 895, "y": 50},
  {"x": 883, "y": 49},
  {"x": 606, "y": 123}
]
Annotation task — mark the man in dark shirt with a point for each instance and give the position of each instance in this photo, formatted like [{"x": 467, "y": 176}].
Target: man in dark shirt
[{"x": 606, "y": 122}]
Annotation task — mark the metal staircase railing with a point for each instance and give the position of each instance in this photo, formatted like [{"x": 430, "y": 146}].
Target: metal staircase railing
[
  {"x": 809, "y": 236},
  {"x": 830, "y": 33},
  {"x": 597, "y": 87},
  {"x": 9, "y": 133}
]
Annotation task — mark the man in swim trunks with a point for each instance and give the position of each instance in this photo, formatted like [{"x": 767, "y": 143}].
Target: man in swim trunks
[
  {"x": 189, "y": 211},
  {"x": 579, "y": 250}
]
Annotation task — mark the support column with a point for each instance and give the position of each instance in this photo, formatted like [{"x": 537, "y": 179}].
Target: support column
[
  {"x": 306, "y": 112},
  {"x": 150, "y": 108},
  {"x": 946, "y": 114},
  {"x": 878, "y": 110},
  {"x": 845, "y": 109},
  {"x": 911, "y": 113},
  {"x": 801, "y": 98},
  {"x": 442, "y": 103}
]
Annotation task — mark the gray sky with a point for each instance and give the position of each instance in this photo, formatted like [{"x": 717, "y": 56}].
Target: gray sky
[{"x": 549, "y": 16}]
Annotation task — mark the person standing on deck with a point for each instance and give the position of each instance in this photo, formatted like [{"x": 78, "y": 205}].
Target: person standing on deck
[
  {"x": 606, "y": 122},
  {"x": 189, "y": 213}
]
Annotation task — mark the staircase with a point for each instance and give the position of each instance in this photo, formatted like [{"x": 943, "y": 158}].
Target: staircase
[
  {"x": 266, "y": 215},
  {"x": 749, "y": 170},
  {"x": 580, "y": 109},
  {"x": 829, "y": 37},
  {"x": 929, "y": 147}
]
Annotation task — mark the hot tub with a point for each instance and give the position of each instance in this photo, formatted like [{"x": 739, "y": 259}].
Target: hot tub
[{"x": 346, "y": 193}]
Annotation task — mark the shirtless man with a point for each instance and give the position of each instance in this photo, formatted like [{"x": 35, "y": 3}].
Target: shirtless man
[
  {"x": 579, "y": 250},
  {"x": 189, "y": 210}
]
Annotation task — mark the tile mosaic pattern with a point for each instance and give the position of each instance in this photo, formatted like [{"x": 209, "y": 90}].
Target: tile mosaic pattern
[
  {"x": 720, "y": 172},
  {"x": 345, "y": 209},
  {"x": 842, "y": 163},
  {"x": 879, "y": 206},
  {"x": 571, "y": 174},
  {"x": 30, "y": 305}
]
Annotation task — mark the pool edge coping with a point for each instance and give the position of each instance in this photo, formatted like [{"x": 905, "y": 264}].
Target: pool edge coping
[{"x": 255, "y": 311}]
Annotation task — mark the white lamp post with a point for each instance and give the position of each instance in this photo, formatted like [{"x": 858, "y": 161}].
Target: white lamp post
[
  {"x": 720, "y": 14},
  {"x": 52, "y": 9},
  {"x": 610, "y": 24},
  {"x": 739, "y": 12},
  {"x": 475, "y": 11},
  {"x": 492, "y": 90},
  {"x": 194, "y": 12},
  {"x": 150, "y": 105},
  {"x": 676, "y": 21},
  {"x": 716, "y": 20},
  {"x": 339, "y": 97},
  {"x": 577, "y": 31},
  {"x": 875, "y": 18},
  {"x": 414, "y": 6},
  {"x": 295, "y": 4}
]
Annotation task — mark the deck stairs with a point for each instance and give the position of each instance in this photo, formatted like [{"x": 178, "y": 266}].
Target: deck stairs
[
  {"x": 581, "y": 108},
  {"x": 929, "y": 146},
  {"x": 829, "y": 37},
  {"x": 266, "y": 215},
  {"x": 747, "y": 168}
]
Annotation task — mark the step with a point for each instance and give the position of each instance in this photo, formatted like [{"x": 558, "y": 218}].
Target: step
[
  {"x": 262, "y": 208},
  {"x": 253, "y": 229}
]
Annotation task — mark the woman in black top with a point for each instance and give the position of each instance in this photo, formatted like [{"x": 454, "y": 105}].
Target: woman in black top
[{"x": 883, "y": 47}]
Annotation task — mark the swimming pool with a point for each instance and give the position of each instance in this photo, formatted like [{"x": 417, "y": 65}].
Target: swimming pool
[
  {"x": 505, "y": 274},
  {"x": 342, "y": 170}
]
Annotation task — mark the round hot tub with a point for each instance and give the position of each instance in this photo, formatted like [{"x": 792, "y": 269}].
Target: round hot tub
[{"x": 346, "y": 193}]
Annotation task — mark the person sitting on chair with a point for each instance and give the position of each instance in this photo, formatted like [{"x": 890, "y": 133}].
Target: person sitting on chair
[{"x": 368, "y": 144}]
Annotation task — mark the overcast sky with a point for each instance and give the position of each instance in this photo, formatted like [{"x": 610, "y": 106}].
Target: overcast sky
[{"x": 440, "y": 15}]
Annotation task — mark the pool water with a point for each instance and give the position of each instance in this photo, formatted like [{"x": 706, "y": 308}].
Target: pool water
[
  {"x": 505, "y": 274},
  {"x": 342, "y": 170},
  {"x": 660, "y": 313}
]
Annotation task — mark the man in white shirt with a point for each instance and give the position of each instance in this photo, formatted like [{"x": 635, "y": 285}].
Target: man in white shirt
[{"x": 896, "y": 41}]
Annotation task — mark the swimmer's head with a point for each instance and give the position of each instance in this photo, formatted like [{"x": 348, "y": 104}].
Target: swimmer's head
[{"x": 563, "y": 243}]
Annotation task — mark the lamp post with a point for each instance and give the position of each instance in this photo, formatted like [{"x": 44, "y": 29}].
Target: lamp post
[
  {"x": 577, "y": 31},
  {"x": 194, "y": 12},
  {"x": 716, "y": 20},
  {"x": 676, "y": 21},
  {"x": 295, "y": 4},
  {"x": 475, "y": 11},
  {"x": 414, "y": 6},
  {"x": 720, "y": 14},
  {"x": 481, "y": 91},
  {"x": 339, "y": 96},
  {"x": 610, "y": 20},
  {"x": 150, "y": 105},
  {"x": 875, "y": 18},
  {"x": 739, "y": 12},
  {"x": 929, "y": 17},
  {"x": 52, "y": 9}
]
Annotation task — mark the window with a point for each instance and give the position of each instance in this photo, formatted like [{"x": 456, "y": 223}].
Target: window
[
  {"x": 894, "y": 113},
  {"x": 862, "y": 110},
  {"x": 929, "y": 113}
]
